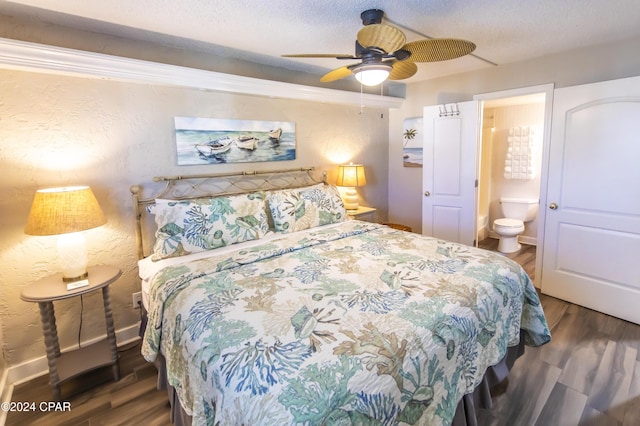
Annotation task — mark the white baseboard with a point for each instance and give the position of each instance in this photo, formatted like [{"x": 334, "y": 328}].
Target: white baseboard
[
  {"x": 36, "y": 367},
  {"x": 532, "y": 241},
  {"x": 6, "y": 395}
]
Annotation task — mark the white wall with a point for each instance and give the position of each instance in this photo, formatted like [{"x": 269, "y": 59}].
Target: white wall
[{"x": 580, "y": 66}]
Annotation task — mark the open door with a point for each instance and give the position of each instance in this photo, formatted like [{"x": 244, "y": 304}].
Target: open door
[
  {"x": 592, "y": 230},
  {"x": 449, "y": 171}
]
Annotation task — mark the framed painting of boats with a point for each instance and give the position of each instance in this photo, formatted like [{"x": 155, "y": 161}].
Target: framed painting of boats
[
  {"x": 412, "y": 142},
  {"x": 215, "y": 141}
]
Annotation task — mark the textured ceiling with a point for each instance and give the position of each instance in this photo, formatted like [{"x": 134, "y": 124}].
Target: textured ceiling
[{"x": 504, "y": 31}]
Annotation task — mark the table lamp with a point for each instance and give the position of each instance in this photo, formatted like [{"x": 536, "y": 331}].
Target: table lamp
[
  {"x": 351, "y": 176},
  {"x": 65, "y": 212}
]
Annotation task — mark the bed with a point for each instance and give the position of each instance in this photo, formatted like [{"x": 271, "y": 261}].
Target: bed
[{"x": 265, "y": 305}]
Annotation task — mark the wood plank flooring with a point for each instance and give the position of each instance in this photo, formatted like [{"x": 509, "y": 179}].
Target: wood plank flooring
[
  {"x": 588, "y": 375},
  {"x": 97, "y": 400},
  {"x": 526, "y": 256}
]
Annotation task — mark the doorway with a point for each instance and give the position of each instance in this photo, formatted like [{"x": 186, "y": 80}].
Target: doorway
[{"x": 507, "y": 115}]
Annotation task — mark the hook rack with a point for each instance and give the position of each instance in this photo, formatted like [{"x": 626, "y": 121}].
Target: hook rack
[{"x": 449, "y": 111}]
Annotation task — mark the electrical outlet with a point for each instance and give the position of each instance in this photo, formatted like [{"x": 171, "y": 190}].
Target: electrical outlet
[{"x": 136, "y": 300}]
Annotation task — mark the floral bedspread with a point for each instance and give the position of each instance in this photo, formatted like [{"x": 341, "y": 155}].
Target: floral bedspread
[{"x": 357, "y": 324}]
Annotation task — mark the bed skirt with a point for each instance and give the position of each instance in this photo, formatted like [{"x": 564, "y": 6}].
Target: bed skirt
[{"x": 465, "y": 412}]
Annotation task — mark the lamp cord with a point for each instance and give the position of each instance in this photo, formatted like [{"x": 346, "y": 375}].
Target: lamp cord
[
  {"x": 81, "y": 314},
  {"x": 80, "y": 327}
]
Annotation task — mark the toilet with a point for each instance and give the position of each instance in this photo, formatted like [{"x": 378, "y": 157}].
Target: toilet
[{"x": 517, "y": 212}]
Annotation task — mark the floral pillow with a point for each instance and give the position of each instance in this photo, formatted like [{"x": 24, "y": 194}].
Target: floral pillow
[
  {"x": 191, "y": 226},
  {"x": 298, "y": 209}
]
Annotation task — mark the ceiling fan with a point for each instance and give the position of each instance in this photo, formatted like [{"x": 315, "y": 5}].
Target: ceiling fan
[{"x": 384, "y": 54}]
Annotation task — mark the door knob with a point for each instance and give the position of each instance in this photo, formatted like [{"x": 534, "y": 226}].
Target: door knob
[
  {"x": 427, "y": 193},
  {"x": 553, "y": 206}
]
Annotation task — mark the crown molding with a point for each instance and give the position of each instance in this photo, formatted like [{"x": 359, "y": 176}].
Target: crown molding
[{"x": 27, "y": 56}]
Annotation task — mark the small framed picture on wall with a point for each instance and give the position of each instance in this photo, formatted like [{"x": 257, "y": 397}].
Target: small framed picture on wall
[{"x": 412, "y": 142}]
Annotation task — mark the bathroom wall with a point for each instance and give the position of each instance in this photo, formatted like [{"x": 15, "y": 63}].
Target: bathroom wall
[
  {"x": 503, "y": 119},
  {"x": 484, "y": 175}
]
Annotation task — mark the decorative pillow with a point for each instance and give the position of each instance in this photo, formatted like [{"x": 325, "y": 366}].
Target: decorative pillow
[
  {"x": 298, "y": 209},
  {"x": 192, "y": 226}
]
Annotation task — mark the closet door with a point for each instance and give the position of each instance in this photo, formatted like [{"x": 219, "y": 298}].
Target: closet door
[
  {"x": 592, "y": 227},
  {"x": 449, "y": 171}
]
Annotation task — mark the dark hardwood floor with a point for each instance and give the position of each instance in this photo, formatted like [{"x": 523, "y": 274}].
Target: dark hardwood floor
[
  {"x": 526, "y": 256},
  {"x": 589, "y": 374},
  {"x": 95, "y": 399}
]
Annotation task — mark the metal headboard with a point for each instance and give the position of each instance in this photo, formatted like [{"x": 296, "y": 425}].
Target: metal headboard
[{"x": 208, "y": 185}]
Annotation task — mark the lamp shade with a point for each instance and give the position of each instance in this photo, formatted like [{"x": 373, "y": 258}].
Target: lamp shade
[
  {"x": 351, "y": 175},
  {"x": 64, "y": 210}
]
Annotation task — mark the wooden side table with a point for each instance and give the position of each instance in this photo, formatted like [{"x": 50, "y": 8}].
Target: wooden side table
[
  {"x": 363, "y": 213},
  {"x": 64, "y": 366}
]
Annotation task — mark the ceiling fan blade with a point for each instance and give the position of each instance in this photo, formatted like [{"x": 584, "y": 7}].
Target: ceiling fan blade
[
  {"x": 336, "y": 74},
  {"x": 386, "y": 37},
  {"x": 438, "y": 49},
  {"x": 320, "y": 55},
  {"x": 402, "y": 70}
]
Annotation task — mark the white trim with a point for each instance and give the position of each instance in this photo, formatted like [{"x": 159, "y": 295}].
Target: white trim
[
  {"x": 38, "y": 366},
  {"x": 26, "y": 56},
  {"x": 7, "y": 391},
  {"x": 548, "y": 90},
  {"x": 512, "y": 93}
]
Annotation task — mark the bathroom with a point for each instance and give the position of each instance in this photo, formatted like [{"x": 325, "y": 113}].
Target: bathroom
[{"x": 506, "y": 122}]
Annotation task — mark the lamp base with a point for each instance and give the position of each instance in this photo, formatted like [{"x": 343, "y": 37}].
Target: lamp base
[
  {"x": 72, "y": 256},
  {"x": 350, "y": 199},
  {"x": 74, "y": 279}
]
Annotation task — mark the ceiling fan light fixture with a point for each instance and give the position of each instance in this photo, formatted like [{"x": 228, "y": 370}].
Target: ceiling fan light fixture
[
  {"x": 372, "y": 74},
  {"x": 384, "y": 53}
]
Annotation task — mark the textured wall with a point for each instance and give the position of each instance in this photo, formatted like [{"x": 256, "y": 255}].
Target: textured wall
[{"x": 57, "y": 130}]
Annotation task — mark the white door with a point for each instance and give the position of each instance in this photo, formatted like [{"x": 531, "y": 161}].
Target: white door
[
  {"x": 449, "y": 171},
  {"x": 592, "y": 229}
]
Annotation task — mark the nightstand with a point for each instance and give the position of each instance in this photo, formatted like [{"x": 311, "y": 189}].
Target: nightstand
[
  {"x": 367, "y": 214},
  {"x": 64, "y": 366}
]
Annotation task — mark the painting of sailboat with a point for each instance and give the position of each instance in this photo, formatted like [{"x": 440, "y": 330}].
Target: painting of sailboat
[
  {"x": 247, "y": 142},
  {"x": 214, "y": 147},
  {"x": 217, "y": 141}
]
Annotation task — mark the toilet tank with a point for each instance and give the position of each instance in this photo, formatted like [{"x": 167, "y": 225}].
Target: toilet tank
[{"x": 524, "y": 209}]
